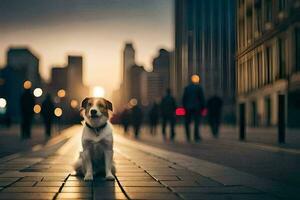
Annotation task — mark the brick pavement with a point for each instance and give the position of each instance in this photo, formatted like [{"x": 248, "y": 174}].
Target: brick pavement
[{"x": 142, "y": 172}]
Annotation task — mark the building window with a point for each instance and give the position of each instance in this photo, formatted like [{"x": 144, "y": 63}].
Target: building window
[
  {"x": 282, "y": 58},
  {"x": 297, "y": 48},
  {"x": 258, "y": 16},
  {"x": 249, "y": 25},
  {"x": 281, "y": 5},
  {"x": 259, "y": 68},
  {"x": 269, "y": 11},
  {"x": 269, "y": 65}
]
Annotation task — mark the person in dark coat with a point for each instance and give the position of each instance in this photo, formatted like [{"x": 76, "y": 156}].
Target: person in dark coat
[
  {"x": 193, "y": 102},
  {"x": 154, "y": 117},
  {"x": 136, "y": 119},
  {"x": 168, "y": 108},
  {"x": 125, "y": 119},
  {"x": 27, "y": 104},
  {"x": 48, "y": 114},
  {"x": 214, "y": 106}
]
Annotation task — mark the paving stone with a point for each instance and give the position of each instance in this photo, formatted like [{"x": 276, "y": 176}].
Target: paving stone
[
  {"x": 5, "y": 183},
  {"x": 77, "y": 183},
  {"x": 31, "y": 178},
  {"x": 7, "y": 179},
  {"x": 135, "y": 178},
  {"x": 147, "y": 189},
  {"x": 106, "y": 189},
  {"x": 197, "y": 196},
  {"x": 49, "y": 183},
  {"x": 150, "y": 195},
  {"x": 74, "y": 195},
  {"x": 140, "y": 183},
  {"x": 31, "y": 196},
  {"x": 106, "y": 184},
  {"x": 139, "y": 174},
  {"x": 219, "y": 190},
  {"x": 77, "y": 189},
  {"x": 54, "y": 178},
  {"x": 180, "y": 183},
  {"x": 31, "y": 189},
  {"x": 24, "y": 184},
  {"x": 98, "y": 195},
  {"x": 166, "y": 178}
]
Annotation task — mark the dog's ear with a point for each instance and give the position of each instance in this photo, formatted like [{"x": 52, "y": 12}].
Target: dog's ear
[
  {"x": 108, "y": 105},
  {"x": 84, "y": 103}
]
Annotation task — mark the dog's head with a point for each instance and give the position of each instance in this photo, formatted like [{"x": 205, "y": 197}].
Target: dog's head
[{"x": 95, "y": 110}]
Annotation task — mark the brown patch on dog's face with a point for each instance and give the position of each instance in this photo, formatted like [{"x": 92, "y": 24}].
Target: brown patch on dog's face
[{"x": 93, "y": 107}]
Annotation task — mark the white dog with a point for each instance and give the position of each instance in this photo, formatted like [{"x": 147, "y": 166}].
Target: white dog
[{"x": 97, "y": 140}]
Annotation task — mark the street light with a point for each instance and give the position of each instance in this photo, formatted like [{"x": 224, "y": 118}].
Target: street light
[{"x": 37, "y": 92}]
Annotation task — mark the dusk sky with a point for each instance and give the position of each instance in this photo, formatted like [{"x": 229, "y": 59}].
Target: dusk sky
[{"x": 96, "y": 29}]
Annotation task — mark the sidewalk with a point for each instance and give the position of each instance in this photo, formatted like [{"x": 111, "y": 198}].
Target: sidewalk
[
  {"x": 10, "y": 141},
  {"x": 143, "y": 172}
]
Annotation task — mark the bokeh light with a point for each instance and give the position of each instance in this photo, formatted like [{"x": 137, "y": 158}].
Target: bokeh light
[
  {"x": 37, "y": 92},
  {"x": 27, "y": 84},
  {"x": 37, "y": 108},
  {"x": 58, "y": 112},
  {"x": 98, "y": 91},
  {"x": 133, "y": 102},
  {"x": 3, "y": 103},
  {"x": 195, "y": 79},
  {"x": 61, "y": 93},
  {"x": 74, "y": 103}
]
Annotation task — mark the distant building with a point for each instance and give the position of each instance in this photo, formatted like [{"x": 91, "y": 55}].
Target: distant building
[
  {"x": 268, "y": 60},
  {"x": 128, "y": 60},
  {"x": 59, "y": 79},
  {"x": 136, "y": 84},
  {"x": 205, "y": 45},
  {"x": 76, "y": 88},
  {"x": 21, "y": 65}
]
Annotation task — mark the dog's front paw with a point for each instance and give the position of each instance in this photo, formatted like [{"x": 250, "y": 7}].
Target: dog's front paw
[
  {"x": 110, "y": 177},
  {"x": 88, "y": 177}
]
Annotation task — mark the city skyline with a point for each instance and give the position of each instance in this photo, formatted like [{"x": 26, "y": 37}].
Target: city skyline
[{"x": 53, "y": 30}]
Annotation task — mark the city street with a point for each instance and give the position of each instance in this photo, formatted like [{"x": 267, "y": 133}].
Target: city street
[{"x": 145, "y": 171}]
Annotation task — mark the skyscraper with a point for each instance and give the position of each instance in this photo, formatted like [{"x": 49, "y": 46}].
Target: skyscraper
[
  {"x": 205, "y": 45},
  {"x": 128, "y": 62}
]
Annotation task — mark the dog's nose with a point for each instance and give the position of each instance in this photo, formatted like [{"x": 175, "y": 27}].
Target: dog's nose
[{"x": 93, "y": 112}]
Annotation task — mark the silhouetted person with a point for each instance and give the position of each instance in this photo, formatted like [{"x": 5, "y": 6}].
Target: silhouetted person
[
  {"x": 154, "y": 117},
  {"x": 27, "y": 104},
  {"x": 193, "y": 102},
  {"x": 48, "y": 114},
  {"x": 168, "y": 108},
  {"x": 125, "y": 119},
  {"x": 136, "y": 119},
  {"x": 214, "y": 106}
]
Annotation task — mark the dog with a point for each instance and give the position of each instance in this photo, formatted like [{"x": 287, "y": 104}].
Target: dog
[{"x": 97, "y": 139}]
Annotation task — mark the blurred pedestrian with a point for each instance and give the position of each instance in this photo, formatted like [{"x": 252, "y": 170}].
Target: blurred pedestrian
[
  {"x": 136, "y": 118},
  {"x": 48, "y": 114},
  {"x": 27, "y": 104},
  {"x": 193, "y": 102},
  {"x": 214, "y": 106},
  {"x": 125, "y": 119},
  {"x": 154, "y": 118},
  {"x": 168, "y": 108}
]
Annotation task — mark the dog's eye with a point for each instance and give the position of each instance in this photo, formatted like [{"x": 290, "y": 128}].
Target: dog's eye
[{"x": 89, "y": 104}]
